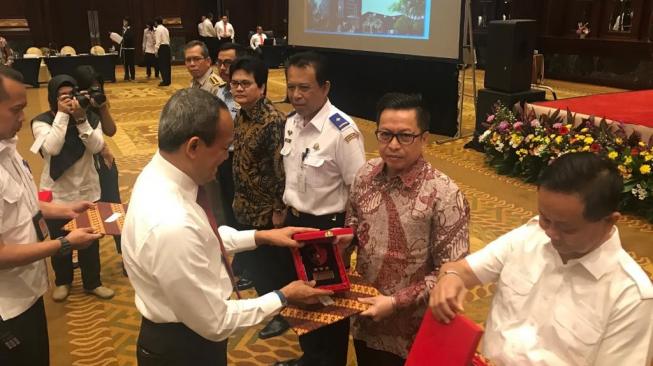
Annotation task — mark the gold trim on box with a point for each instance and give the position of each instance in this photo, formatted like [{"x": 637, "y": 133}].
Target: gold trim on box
[
  {"x": 14, "y": 23},
  {"x": 172, "y": 21}
]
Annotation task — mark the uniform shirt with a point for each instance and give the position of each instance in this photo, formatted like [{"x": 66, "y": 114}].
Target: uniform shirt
[
  {"x": 161, "y": 37},
  {"x": 257, "y": 165},
  {"x": 257, "y": 40},
  {"x": 407, "y": 227},
  {"x": 224, "y": 93},
  {"x": 321, "y": 159},
  {"x": 21, "y": 286},
  {"x": 223, "y": 32},
  {"x": 148, "y": 41},
  {"x": 594, "y": 310},
  {"x": 206, "y": 28},
  {"x": 81, "y": 180},
  {"x": 210, "y": 82},
  {"x": 173, "y": 258}
]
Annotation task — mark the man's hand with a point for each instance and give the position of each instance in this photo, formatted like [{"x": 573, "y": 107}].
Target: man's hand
[
  {"x": 280, "y": 237},
  {"x": 278, "y": 217},
  {"x": 381, "y": 306},
  {"x": 82, "y": 238},
  {"x": 77, "y": 111},
  {"x": 79, "y": 207},
  {"x": 446, "y": 298},
  {"x": 65, "y": 104},
  {"x": 300, "y": 292}
]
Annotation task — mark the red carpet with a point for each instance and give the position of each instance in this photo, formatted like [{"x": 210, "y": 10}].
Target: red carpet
[{"x": 628, "y": 107}]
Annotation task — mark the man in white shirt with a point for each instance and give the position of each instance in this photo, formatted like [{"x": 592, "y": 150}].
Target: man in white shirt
[
  {"x": 174, "y": 253},
  {"x": 198, "y": 64},
  {"x": 322, "y": 152},
  {"x": 257, "y": 40},
  {"x": 225, "y": 31},
  {"x": 67, "y": 136},
  {"x": 24, "y": 240},
  {"x": 567, "y": 293},
  {"x": 210, "y": 38},
  {"x": 162, "y": 50}
]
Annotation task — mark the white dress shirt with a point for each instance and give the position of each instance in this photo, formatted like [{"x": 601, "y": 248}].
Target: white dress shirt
[
  {"x": 161, "y": 37},
  {"x": 21, "y": 286},
  {"x": 257, "y": 40},
  {"x": 594, "y": 310},
  {"x": 148, "y": 41},
  {"x": 207, "y": 28},
  {"x": 173, "y": 258},
  {"x": 80, "y": 181},
  {"x": 321, "y": 160},
  {"x": 220, "y": 30}
]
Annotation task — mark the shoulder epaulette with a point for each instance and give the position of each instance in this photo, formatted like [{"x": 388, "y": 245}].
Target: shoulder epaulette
[
  {"x": 216, "y": 80},
  {"x": 339, "y": 121}
]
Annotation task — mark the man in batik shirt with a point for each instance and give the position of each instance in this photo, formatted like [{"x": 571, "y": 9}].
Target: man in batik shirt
[{"x": 408, "y": 219}]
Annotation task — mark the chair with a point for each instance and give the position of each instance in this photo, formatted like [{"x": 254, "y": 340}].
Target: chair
[
  {"x": 34, "y": 51},
  {"x": 97, "y": 51},
  {"x": 67, "y": 50}
]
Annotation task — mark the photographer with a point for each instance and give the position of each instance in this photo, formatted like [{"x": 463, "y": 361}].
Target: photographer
[
  {"x": 68, "y": 136},
  {"x": 91, "y": 85}
]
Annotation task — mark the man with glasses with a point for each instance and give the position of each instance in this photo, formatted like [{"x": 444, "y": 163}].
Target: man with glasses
[
  {"x": 322, "y": 152},
  {"x": 409, "y": 219},
  {"x": 198, "y": 63}
]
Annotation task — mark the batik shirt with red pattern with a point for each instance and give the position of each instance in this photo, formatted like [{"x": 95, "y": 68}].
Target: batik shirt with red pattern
[{"x": 407, "y": 226}]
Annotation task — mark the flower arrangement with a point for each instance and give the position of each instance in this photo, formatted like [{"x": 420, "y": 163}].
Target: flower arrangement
[
  {"x": 583, "y": 29},
  {"x": 522, "y": 145}
]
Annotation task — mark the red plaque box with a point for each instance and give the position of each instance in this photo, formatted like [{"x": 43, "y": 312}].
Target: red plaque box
[{"x": 319, "y": 259}]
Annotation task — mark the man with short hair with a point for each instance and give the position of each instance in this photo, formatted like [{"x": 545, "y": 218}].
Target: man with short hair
[
  {"x": 162, "y": 51},
  {"x": 566, "y": 291},
  {"x": 225, "y": 31},
  {"x": 210, "y": 38},
  {"x": 257, "y": 40},
  {"x": 323, "y": 149},
  {"x": 198, "y": 64},
  {"x": 227, "y": 55},
  {"x": 24, "y": 240},
  {"x": 419, "y": 221},
  {"x": 175, "y": 254}
]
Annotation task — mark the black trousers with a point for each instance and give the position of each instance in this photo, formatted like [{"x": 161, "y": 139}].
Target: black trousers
[
  {"x": 151, "y": 62},
  {"x": 366, "y": 356},
  {"x": 89, "y": 260},
  {"x": 128, "y": 63},
  {"x": 174, "y": 344},
  {"x": 326, "y": 346},
  {"x": 164, "y": 58},
  {"x": 110, "y": 190},
  {"x": 31, "y": 329},
  {"x": 212, "y": 44}
]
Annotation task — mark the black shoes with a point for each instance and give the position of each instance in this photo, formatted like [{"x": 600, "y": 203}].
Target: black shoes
[
  {"x": 277, "y": 326},
  {"x": 244, "y": 283}
]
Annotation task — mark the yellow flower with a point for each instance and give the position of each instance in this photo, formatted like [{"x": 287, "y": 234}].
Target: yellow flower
[
  {"x": 558, "y": 140},
  {"x": 613, "y": 155},
  {"x": 648, "y": 157},
  {"x": 584, "y": 130},
  {"x": 642, "y": 144},
  {"x": 645, "y": 169},
  {"x": 628, "y": 160},
  {"x": 588, "y": 140},
  {"x": 618, "y": 140},
  {"x": 585, "y": 148}
]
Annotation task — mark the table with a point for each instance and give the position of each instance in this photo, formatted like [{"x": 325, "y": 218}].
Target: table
[
  {"x": 29, "y": 67},
  {"x": 105, "y": 65}
]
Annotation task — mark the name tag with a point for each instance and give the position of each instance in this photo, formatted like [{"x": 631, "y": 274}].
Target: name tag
[{"x": 41, "y": 227}]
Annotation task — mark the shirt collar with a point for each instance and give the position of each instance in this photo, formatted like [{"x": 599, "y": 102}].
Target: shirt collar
[
  {"x": 604, "y": 258},
  {"x": 320, "y": 118},
  {"x": 257, "y": 111},
  {"x": 408, "y": 177},
  {"x": 205, "y": 77},
  {"x": 8, "y": 146},
  {"x": 187, "y": 185}
]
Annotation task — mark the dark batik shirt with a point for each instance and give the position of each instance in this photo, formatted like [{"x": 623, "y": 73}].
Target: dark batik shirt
[{"x": 259, "y": 179}]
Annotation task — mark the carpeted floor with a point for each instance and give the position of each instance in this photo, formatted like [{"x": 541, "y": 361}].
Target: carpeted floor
[{"x": 87, "y": 331}]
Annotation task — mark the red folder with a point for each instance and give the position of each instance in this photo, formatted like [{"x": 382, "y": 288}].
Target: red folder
[{"x": 452, "y": 344}]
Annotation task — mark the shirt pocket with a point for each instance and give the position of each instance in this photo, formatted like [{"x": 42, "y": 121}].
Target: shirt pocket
[
  {"x": 13, "y": 211},
  {"x": 286, "y": 149},
  {"x": 315, "y": 169},
  {"x": 515, "y": 288},
  {"x": 578, "y": 328}
]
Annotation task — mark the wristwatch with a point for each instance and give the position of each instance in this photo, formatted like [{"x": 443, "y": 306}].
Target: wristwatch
[
  {"x": 282, "y": 297},
  {"x": 66, "y": 248},
  {"x": 80, "y": 120}
]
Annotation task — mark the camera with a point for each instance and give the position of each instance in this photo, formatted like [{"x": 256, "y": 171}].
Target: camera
[{"x": 94, "y": 92}]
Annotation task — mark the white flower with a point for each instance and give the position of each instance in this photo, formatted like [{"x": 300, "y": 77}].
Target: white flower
[
  {"x": 639, "y": 192},
  {"x": 484, "y": 136}
]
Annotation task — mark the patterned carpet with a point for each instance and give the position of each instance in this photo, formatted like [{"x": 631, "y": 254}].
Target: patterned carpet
[{"x": 87, "y": 331}]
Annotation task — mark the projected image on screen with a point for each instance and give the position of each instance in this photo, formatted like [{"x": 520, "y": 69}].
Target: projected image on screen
[{"x": 381, "y": 18}]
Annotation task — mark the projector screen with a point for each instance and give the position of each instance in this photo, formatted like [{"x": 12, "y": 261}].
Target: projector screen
[{"x": 430, "y": 28}]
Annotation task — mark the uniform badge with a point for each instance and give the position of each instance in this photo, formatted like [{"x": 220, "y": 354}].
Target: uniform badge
[
  {"x": 287, "y": 140},
  {"x": 316, "y": 147},
  {"x": 289, "y": 132},
  {"x": 339, "y": 121},
  {"x": 351, "y": 136}
]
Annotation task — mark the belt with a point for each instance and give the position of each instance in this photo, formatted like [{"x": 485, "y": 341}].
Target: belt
[{"x": 295, "y": 212}]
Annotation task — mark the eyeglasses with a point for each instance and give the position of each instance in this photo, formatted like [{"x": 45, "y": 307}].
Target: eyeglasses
[
  {"x": 226, "y": 63},
  {"x": 403, "y": 138},
  {"x": 244, "y": 83},
  {"x": 194, "y": 59}
]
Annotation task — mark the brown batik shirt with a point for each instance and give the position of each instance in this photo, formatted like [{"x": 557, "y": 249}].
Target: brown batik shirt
[{"x": 259, "y": 178}]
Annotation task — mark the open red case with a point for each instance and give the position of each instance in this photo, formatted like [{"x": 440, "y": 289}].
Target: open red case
[{"x": 320, "y": 260}]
